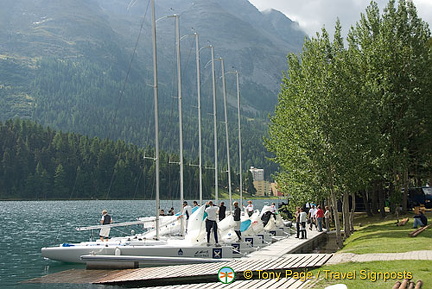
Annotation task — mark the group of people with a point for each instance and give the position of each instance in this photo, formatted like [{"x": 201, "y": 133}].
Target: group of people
[
  {"x": 315, "y": 216},
  {"x": 214, "y": 212}
]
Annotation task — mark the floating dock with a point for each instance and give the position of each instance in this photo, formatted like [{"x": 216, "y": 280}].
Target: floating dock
[{"x": 272, "y": 266}]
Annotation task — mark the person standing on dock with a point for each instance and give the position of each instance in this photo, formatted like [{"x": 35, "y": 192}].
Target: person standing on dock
[
  {"x": 236, "y": 215},
  {"x": 222, "y": 210},
  {"x": 303, "y": 219},
  {"x": 211, "y": 224},
  {"x": 319, "y": 218},
  {"x": 297, "y": 219},
  {"x": 312, "y": 217},
  {"x": 187, "y": 211},
  {"x": 105, "y": 230}
]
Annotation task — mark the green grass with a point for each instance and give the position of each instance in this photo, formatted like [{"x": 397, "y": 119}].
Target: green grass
[
  {"x": 372, "y": 274},
  {"x": 386, "y": 237},
  {"x": 375, "y": 235}
]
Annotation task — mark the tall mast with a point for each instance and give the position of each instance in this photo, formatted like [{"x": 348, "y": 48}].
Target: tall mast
[
  {"x": 239, "y": 137},
  {"x": 226, "y": 132},
  {"x": 156, "y": 113},
  {"x": 214, "y": 124},
  {"x": 179, "y": 95},
  {"x": 199, "y": 116}
]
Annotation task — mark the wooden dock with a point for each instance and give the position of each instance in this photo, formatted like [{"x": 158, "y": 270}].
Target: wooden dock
[{"x": 275, "y": 259}]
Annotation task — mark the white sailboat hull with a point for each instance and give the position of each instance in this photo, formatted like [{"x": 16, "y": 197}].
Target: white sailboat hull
[{"x": 73, "y": 253}]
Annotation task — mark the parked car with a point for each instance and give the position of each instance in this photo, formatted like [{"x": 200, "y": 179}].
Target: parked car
[{"x": 420, "y": 195}]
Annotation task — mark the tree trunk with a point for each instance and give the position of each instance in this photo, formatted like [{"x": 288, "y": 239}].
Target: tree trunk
[
  {"x": 339, "y": 241},
  {"x": 345, "y": 215},
  {"x": 353, "y": 208},
  {"x": 366, "y": 203},
  {"x": 374, "y": 199},
  {"x": 405, "y": 193},
  {"x": 381, "y": 198}
]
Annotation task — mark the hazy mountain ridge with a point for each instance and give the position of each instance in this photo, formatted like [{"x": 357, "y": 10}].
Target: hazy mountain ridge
[{"x": 93, "y": 42}]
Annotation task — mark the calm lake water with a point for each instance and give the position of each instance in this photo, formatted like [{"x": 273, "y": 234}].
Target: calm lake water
[{"x": 27, "y": 226}]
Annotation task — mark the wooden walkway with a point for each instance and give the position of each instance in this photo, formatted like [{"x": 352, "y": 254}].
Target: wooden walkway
[
  {"x": 199, "y": 273},
  {"x": 275, "y": 259}
]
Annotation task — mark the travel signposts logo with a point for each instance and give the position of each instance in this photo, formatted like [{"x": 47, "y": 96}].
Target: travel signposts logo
[{"x": 226, "y": 275}]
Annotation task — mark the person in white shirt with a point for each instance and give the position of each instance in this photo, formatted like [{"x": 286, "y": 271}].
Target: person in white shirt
[
  {"x": 105, "y": 230},
  {"x": 273, "y": 208},
  {"x": 312, "y": 217},
  {"x": 187, "y": 211},
  {"x": 212, "y": 211},
  {"x": 302, "y": 219},
  {"x": 249, "y": 208}
]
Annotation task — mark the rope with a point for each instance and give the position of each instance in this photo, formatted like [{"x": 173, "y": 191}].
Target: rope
[{"x": 121, "y": 92}]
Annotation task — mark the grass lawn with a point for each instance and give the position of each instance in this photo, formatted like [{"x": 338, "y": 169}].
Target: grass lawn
[
  {"x": 374, "y": 235},
  {"x": 372, "y": 274},
  {"x": 386, "y": 237}
]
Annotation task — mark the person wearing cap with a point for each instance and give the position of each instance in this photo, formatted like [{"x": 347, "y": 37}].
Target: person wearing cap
[
  {"x": 105, "y": 230},
  {"x": 249, "y": 208},
  {"x": 211, "y": 224},
  {"x": 236, "y": 216}
]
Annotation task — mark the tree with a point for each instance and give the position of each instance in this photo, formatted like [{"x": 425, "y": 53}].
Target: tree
[
  {"x": 342, "y": 121},
  {"x": 249, "y": 186}
]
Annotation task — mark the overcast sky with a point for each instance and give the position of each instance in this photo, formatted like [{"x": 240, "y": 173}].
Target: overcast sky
[{"x": 312, "y": 15}]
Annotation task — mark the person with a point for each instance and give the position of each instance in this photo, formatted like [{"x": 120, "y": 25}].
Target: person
[
  {"x": 420, "y": 220},
  {"x": 236, "y": 216},
  {"x": 105, "y": 230},
  {"x": 187, "y": 211},
  {"x": 211, "y": 222},
  {"x": 302, "y": 220},
  {"x": 195, "y": 206},
  {"x": 327, "y": 218},
  {"x": 249, "y": 208},
  {"x": 171, "y": 212},
  {"x": 285, "y": 212},
  {"x": 162, "y": 212},
  {"x": 297, "y": 217},
  {"x": 222, "y": 210},
  {"x": 273, "y": 208},
  {"x": 312, "y": 217},
  {"x": 319, "y": 214}
]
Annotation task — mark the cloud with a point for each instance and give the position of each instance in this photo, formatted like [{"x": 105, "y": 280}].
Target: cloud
[{"x": 312, "y": 15}]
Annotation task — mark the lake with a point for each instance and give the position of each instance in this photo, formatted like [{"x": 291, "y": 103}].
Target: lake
[{"x": 27, "y": 226}]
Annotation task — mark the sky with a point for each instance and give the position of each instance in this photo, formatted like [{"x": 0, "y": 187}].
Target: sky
[{"x": 312, "y": 15}]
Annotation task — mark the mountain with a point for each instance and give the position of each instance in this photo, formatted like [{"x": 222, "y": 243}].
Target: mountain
[{"x": 85, "y": 66}]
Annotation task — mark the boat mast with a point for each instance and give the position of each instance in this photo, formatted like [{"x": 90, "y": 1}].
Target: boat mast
[
  {"x": 156, "y": 113},
  {"x": 226, "y": 132},
  {"x": 179, "y": 95},
  {"x": 239, "y": 137},
  {"x": 197, "y": 50},
  {"x": 214, "y": 124}
]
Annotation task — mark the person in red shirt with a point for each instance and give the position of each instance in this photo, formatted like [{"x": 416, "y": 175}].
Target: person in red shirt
[{"x": 319, "y": 216}]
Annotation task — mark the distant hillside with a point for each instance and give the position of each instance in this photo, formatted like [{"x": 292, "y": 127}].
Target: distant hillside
[{"x": 65, "y": 64}]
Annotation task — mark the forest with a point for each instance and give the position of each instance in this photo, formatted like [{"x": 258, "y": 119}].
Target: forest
[{"x": 40, "y": 163}]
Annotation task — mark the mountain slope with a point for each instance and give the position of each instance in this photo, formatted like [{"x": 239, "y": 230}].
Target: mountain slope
[{"x": 85, "y": 66}]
